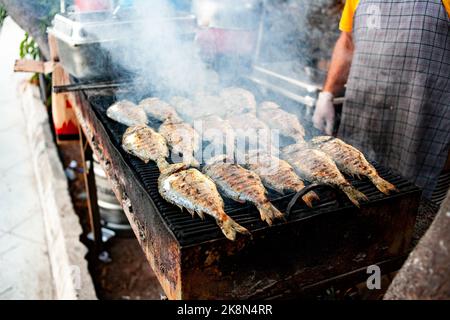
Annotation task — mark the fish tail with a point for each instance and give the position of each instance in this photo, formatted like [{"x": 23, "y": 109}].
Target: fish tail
[
  {"x": 269, "y": 213},
  {"x": 230, "y": 228},
  {"x": 354, "y": 195},
  {"x": 191, "y": 161},
  {"x": 383, "y": 185},
  {"x": 162, "y": 164},
  {"x": 310, "y": 197}
]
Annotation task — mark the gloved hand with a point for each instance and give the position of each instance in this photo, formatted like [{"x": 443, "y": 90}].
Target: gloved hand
[{"x": 323, "y": 118}]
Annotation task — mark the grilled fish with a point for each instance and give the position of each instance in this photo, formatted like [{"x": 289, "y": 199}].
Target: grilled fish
[
  {"x": 197, "y": 193},
  {"x": 146, "y": 144},
  {"x": 248, "y": 127},
  {"x": 247, "y": 121},
  {"x": 237, "y": 101},
  {"x": 207, "y": 104},
  {"x": 218, "y": 132},
  {"x": 184, "y": 107},
  {"x": 127, "y": 113},
  {"x": 241, "y": 185},
  {"x": 278, "y": 175},
  {"x": 317, "y": 167},
  {"x": 158, "y": 109},
  {"x": 278, "y": 119},
  {"x": 350, "y": 160},
  {"x": 182, "y": 139}
]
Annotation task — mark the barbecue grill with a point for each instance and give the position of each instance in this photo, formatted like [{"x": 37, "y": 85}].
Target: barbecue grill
[{"x": 314, "y": 247}]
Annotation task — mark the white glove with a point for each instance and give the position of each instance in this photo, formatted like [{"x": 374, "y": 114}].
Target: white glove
[{"x": 323, "y": 118}]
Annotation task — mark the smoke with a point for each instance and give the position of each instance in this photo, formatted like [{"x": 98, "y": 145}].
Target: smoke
[{"x": 159, "y": 53}]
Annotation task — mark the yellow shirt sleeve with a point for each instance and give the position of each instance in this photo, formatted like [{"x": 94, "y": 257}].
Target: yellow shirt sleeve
[
  {"x": 346, "y": 23},
  {"x": 447, "y": 6}
]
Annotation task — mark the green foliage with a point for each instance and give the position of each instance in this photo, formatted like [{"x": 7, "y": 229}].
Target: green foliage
[
  {"x": 48, "y": 8},
  {"x": 3, "y": 15},
  {"x": 29, "y": 48}
]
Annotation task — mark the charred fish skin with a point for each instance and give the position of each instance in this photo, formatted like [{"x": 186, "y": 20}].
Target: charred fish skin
[
  {"x": 127, "y": 113},
  {"x": 146, "y": 144},
  {"x": 241, "y": 185},
  {"x": 317, "y": 167},
  {"x": 192, "y": 190},
  {"x": 278, "y": 175},
  {"x": 182, "y": 139},
  {"x": 158, "y": 109},
  {"x": 278, "y": 119},
  {"x": 351, "y": 161}
]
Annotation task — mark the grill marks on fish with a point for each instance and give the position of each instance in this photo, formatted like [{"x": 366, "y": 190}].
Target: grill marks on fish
[
  {"x": 192, "y": 190},
  {"x": 146, "y": 144},
  {"x": 278, "y": 175},
  {"x": 278, "y": 119},
  {"x": 317, "y": 166},
  {"x": 127, "y": 113},
  {"x": 182, "y": 139},
  {"x": 351, "y": 161},
  {"x": 241, "y": 185},
  {"x": 159, "y": 110}
]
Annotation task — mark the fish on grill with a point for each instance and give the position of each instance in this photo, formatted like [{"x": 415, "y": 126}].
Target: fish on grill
[
  {"x": 184, "y": 107},
  {"x": 207, "y": 104},
  {"x": 241, "y": 185},
  {"x": 317, "y": 167},
  {"x": 218, "y": 132},
  {"x": 158, "y": 109},
  {"x": 127, "y": 113},
  {"x": 192, "y": 190},
  {"x": 237, "y": 101},
  {"x": 248, "y": 126},
  {"x": 182, "y": 139},
  {"x": 278, "y": 175},
  {"x": 350, "y": 160},
  {"x": 278, "y": 119},
  {"x": 146, "y": 144}
]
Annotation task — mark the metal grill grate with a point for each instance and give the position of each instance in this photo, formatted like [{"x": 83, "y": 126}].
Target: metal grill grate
[{"x": 190, "y": 230}]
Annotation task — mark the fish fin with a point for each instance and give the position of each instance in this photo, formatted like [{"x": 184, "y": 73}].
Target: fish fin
[
  {"x": 230, "y": 228},
  {"x": 162, "y": 164},
  {"x": 269, "y": 213},
  {"x": 354, "y": 195},
  {"x": 383, "y": 185},
  {"x": 201, "y": 215},
  {"x": 310, "y": 197}
]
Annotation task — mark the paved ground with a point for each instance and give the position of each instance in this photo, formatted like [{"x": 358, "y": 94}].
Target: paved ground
[{"x": 24, "y": 263}]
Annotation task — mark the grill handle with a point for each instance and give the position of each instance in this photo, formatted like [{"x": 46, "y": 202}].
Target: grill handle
[{"x": 304, "y": 191}]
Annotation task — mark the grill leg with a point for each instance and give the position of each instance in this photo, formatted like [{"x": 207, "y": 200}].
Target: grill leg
[{"x": 91, "y": 192}]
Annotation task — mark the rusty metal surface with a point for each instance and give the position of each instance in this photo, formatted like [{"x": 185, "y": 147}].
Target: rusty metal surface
[
  {"x": 156, "y": 240},
  {"x": 280, "y": 261}
]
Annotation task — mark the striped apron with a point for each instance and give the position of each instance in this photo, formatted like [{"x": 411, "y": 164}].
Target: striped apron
[{"x": 397, "y": 108}]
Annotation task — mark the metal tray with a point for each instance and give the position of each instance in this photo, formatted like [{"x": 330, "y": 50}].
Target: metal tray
[{"x": 84, "y": 39}]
